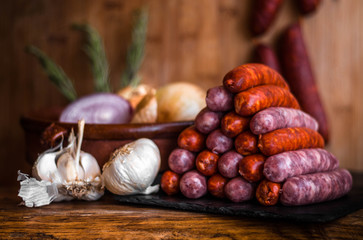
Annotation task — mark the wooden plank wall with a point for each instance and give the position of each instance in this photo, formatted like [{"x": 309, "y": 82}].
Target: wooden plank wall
[{"x": 188, "y": 40}]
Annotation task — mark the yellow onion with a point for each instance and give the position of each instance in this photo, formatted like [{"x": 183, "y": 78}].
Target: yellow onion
[
  {"x": 179, "y": 101},
  {"x": 146, "y": 110},
  {"x": 135, "y": 94}
]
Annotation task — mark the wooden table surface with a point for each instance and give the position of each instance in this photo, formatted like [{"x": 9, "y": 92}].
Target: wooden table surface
[{"x": 109, "y": 219}]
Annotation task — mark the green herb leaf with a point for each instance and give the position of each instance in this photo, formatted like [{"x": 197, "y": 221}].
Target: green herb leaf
[
  {"x": 55, "y": 73},
  {"x": 97, "y": 55},
  {"x": 135, "y": 52}
]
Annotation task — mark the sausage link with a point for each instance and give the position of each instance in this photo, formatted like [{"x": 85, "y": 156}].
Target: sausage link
[
  {"x": 216, "y": 185},
  {"x": 219, "y": 143},
  {"x": 263, "y": 14},
  {"x": 233, "y": 124},
  {"x": 246, "y": 143},
  {"x": 279, "y": 117},
  {"x": 239, "y": 190},
  {"x": 299, "y": 74},
  {"x": 181, "y": 160},
  {"x": 206, "y": 163},
  {"x": 265, "y": 55},
  {"x": 207, "y": 120},
  {"x": 191, "y": 139},
  {"x": 170, "y": 182},
  {"x": 219, "y": 99},
  {"x": 289, "y": 139},
  {"x": 251, "y": 167},
  {"x": 193, "y": 184},
  {"x": 316, "y": 187},
  {"x": 228, "y": 164},
  {"x": 251, "y": 75},
  {"x": 255, "y": 99},
  {"x": 268, "y": 193},
  {"x": 284, "y": 165}
]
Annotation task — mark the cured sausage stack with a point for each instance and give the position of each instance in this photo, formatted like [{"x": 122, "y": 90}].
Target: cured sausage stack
[{"x": 252, "y": 140}]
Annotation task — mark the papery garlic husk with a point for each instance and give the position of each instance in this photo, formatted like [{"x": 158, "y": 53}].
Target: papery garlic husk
[
  {"x": 179, "y": 101},
  {"x": 146, "y": 110},
  {"x": 133, "y": 168},
  {"x": 76, "y": 174}
]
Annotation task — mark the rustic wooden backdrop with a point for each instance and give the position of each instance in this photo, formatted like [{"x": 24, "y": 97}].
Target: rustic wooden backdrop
[{"x": 188, "y": 40}]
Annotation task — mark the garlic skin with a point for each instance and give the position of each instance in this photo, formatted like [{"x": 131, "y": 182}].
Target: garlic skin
[{"x": 132, "y": 168}]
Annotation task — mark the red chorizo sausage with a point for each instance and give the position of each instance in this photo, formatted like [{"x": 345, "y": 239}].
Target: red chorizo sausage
[
  {"x": 233, "y": 124},
  {"x": 299, "y": 74},
  {"x": 251, "y": 167},
  {"x": 216, "y": 185},
  {"x": 268, "y": 193},
  {"x": 263, "y": 15},
  {"x": 206, "y": 163},
  {"x": 279, "y": 117},
  {"x": 191, "y": 139},
  {"x": 284, "y": 165},
  {"x": 251, "y": 75},
  {"x": 316, "y": 187},
  {"x": 266, "y": 55},
  {"x": 246, "y": 143},
  {"x": 170, "y": 182},
  {"x": 255, "y": 99},
  {"x": 289, "y": 139}
]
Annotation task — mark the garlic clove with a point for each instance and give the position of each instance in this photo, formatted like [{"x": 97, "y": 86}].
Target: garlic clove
[
  {"x": 67, "y": 168},
  {"x": 45, "y": 167},
  {"x": 90, "y": 167}
]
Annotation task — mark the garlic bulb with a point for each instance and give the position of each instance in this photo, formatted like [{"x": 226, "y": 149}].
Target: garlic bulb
[
  {"x": 132, "y": 168},
  {"x": 179, "y": 101},
  {"x": 74, "y": 174}
]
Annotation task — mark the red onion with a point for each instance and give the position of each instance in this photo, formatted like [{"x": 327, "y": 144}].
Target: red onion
[{"x": 102, "y": 108}]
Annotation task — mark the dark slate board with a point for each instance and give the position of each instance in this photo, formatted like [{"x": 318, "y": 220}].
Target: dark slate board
[{"x": 322, "y": 212}]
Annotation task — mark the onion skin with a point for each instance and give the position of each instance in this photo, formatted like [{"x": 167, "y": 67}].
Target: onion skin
[{"x": 99, "y": 108}]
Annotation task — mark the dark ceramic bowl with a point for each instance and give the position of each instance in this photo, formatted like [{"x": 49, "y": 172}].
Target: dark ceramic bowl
[{"x": 100, "y": 140}]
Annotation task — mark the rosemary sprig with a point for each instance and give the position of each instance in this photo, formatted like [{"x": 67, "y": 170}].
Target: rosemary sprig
[
  {"x": 55, "y": 73},
  {"x": 97, "y": 55},
  {"x": 135, "y": 52}
]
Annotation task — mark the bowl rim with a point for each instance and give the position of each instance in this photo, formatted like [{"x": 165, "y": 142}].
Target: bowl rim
[{"x": 32, "y": 123}]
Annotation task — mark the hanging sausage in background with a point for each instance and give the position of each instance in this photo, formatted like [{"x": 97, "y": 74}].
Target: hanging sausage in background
[
  {"x": 263, "y": 15},
  {"x": 307, "y": 7},
  {"x": 262, "y": 53},
  {"x": 298, "y": 73}
]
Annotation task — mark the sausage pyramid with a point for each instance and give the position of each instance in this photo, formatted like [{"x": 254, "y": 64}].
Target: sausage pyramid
[{"x": 252, "y": 141}]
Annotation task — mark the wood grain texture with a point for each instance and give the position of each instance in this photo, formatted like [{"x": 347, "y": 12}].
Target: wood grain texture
[
  {"x": 194, "y": 41},
  {"x": 107, "y": 219}
]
